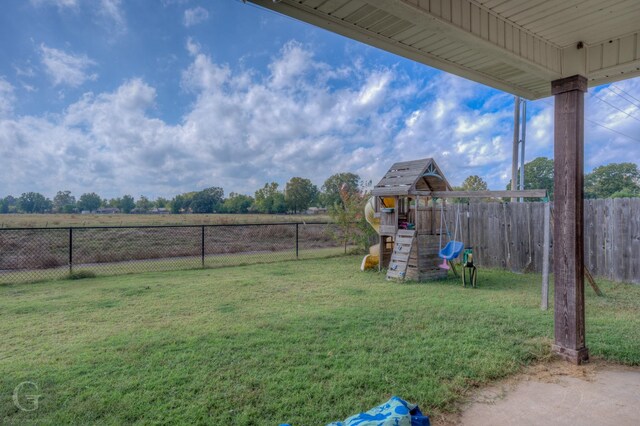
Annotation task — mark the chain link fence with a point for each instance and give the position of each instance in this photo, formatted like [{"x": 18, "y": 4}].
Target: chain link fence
[{"x": 35, "y": 254}]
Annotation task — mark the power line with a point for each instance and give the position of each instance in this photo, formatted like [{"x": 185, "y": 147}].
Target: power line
[
  {"x": 615, "y": 107},
  {"x": 614, "y": 131},
  {"x": 625, "y": 92},
  {"x": 623, "y": 97},
  {"x": 603, "y": 126}
]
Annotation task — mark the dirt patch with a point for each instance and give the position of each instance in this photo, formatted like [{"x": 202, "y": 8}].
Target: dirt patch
[{"x": 556, "y": 393}]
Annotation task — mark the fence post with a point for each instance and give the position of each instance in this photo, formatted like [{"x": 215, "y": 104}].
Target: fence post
[
  {"x": 202, "y": 246},
  {"x": 70, "y": 250},
  {"x": 297, "y": 244},
  {"x": 544, "y": 304}
]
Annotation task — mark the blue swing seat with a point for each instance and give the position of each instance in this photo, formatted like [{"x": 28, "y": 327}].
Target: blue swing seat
[{"x": 451, "y": 250}]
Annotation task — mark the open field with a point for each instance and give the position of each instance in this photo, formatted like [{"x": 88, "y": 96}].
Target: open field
[
  {"x": 58, "y": 220},
  {"x": 304, "y": 342},
  {"x": 45, "y": 253}
]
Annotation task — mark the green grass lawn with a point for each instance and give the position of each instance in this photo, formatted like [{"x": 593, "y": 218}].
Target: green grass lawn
[{"x": 304, "y": 342}]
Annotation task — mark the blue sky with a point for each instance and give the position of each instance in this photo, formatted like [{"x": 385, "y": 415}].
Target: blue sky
[{"x": 159, "y": 97}]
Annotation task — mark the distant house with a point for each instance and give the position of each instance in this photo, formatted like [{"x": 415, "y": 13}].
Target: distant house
[
  {"x": 159, "y": 210},
  {"x": 316, "y": 210},
  {"x": 108, "y": 210}
]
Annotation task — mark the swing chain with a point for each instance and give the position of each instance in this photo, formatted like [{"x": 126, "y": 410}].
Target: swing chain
[
  {"x": 455, "y": 234},
  {"x": 444, "y": 221}
]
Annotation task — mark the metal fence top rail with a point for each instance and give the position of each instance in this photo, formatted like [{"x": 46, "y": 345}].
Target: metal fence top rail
[{"x": 67, "y": 228}]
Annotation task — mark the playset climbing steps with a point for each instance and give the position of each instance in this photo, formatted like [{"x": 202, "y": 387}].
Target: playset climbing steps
[{"x": 404, "y": 256}]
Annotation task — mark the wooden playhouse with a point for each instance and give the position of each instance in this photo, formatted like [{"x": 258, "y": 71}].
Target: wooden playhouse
[{"x": 410, "y": 220}]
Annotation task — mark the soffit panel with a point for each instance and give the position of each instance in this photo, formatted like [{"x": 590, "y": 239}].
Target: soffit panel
[
  {"x": 566, "y": 22},
  {"x": 518, "y": 46}
]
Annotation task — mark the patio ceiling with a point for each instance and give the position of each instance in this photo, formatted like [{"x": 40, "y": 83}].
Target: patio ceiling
[{"x": 519, "y": 46}]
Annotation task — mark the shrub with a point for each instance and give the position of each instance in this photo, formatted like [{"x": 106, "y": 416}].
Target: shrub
[{"x": 348, "y": 214}]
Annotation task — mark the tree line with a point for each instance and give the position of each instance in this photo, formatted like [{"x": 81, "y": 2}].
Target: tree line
[
  {"x": 296, "y": 197},
  {"x": 608, "y": 181}
]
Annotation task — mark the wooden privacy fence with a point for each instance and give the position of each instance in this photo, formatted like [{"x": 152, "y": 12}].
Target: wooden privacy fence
[{"x": 510, "y": 236}]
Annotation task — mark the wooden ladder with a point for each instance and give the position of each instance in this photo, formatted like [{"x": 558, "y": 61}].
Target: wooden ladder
[{"x": 401, "y": 252}]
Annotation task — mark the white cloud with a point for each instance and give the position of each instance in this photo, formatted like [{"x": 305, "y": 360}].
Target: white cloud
[
  {"x": 113, "y": 16},
  {"x": 203, "y": 75},
  {"x": 26, "y": 71},
  {"x": 193, "y": 47},
  {"x": 241, "y": 131},
  {"x": 65, "y": 68},
  {"x": 195, "y": 16},
  {"x": 29, "y": 88},
  {"x": 619, "y": 139},
  {"x": 108, "y": 13},
  {"x": 7, "y": 97},
  {"x": 298, "y": 116},
  {"x": 375, "y": 88},
  {"x": 464, "y": 140},
  {"x": 60, "y": 4},
  {"x": 293, "y": 61}
]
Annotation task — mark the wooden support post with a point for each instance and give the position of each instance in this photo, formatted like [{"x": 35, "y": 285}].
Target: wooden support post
[
  {"x": 396, "y": 212},
  {"x": 433, "y": 215},
  {"x": 417, "y": 226},
  {"x": 516, "y": 137},
  {"x": 587, "y": 272},
  {"x": 381, "y": 242},
  {"x": 568, "y": 247},
  {"x": 544, "y": 305}
]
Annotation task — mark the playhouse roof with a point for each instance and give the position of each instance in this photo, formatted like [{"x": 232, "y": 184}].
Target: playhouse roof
[{"x": 410, "y": 177}]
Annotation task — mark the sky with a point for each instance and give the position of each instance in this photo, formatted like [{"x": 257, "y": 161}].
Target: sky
[{"x": 161, "y": 97}]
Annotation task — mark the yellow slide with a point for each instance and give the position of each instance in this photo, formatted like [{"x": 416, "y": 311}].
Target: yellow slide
[{"x": 371, "y": 260}]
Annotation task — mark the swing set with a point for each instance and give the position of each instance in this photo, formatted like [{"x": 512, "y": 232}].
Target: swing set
[
  {"x": 452, "y": 250},
  {"x": 403, "y": 213}
]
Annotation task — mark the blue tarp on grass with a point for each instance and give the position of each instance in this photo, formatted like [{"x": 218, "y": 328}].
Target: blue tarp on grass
[{"x": 394, "y": 412}]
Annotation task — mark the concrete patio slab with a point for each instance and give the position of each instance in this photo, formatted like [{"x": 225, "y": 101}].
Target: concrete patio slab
[{"x": 558, "y": 394}]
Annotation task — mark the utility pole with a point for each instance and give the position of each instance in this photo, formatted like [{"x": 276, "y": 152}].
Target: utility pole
[
  {"x": 523, "y": 124},
  {"x": 516, "y": 138}
]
